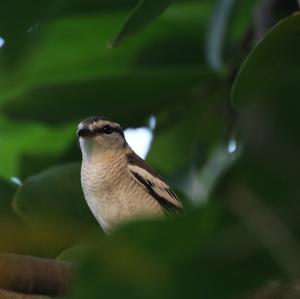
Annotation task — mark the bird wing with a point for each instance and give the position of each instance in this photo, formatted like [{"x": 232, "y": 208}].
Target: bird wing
[{"x": 153, "y": 183}]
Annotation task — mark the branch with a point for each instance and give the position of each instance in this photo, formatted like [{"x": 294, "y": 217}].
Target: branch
[
  {"x": 33, "y": 275},
  {"x": 4, "y": 294}
]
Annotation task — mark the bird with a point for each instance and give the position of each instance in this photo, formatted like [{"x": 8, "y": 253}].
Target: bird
[{"x": 118, "y": 185}]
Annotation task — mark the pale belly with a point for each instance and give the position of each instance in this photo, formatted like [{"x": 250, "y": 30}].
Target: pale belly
[
  {"x": 97, "y": 210},
  {"x": 116, "y": 198}
]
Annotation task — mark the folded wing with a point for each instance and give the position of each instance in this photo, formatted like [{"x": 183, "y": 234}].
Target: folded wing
[{"x": 153, "y": 184}]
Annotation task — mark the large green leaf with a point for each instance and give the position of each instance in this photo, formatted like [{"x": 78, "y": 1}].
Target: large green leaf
[
  {"x": 53, "y": 205},
  {"x": 21, "y": 139},
  {"x": 33, "y": 15},
  {"x": 271, "y": 71},
  {"x": 205, "y": 255},
  {"x": 74, "y": 48},
  {"x": 241, "y": 18},
  {"x": 143, "y": 93},
  {"x": 268, "y": 170},
  {"x": 60, "y": 73},
  {"x": 144, "y": 13},
  {"x": 268, "y": 80},
  {"x": 54, "y": 58}
]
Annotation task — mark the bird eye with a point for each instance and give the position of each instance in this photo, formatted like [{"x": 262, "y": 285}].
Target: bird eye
[{"x": 107, "y": 129}]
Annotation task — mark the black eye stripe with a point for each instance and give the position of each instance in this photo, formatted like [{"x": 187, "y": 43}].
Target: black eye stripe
[{"x": 101, "y": 130}]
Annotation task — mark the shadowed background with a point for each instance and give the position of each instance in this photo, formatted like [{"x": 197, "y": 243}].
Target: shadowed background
[{"x": 215, "y": 84}]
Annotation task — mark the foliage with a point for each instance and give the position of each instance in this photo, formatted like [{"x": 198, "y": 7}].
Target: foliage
[{"x": 229, "y": 147}]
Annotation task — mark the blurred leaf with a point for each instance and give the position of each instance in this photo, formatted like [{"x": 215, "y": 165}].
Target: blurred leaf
[
  {"x": 166, "y": 144},
  {"x": 67, "y": 64},
  {"x": 268, "y": 80},
  {"x": 34, "y": 11},
  {"x": 271, "y": 69},
  {"x": 269, "y": 166},
  {"x": 143, "y": 93},
  {"x": 144, "y": 13},
  {"x": 74, "y": 254},
  {"x": 53, "y": 58},
  {"x": 33, "y": 15},
  {"x": 15, "y": 234},
  {"x": 265, "y": 201},
  {"x": 241, "y": 20},
  {"x": 162, "y": 260},
  {"x": 72, "y": 49},
  {"x": 52, "y": 203},
  {"x": 19, "y": 139},
  {"x": 188, "y": 131},
  {"x": 7, "y": 191},
  {"x": 60, "y": 71}
]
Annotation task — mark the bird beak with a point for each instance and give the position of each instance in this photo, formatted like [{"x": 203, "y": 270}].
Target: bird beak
[{"x": 84, "y": 132}]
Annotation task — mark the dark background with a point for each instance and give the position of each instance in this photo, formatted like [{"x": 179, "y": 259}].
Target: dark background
[{"x": 221, "y": 78}]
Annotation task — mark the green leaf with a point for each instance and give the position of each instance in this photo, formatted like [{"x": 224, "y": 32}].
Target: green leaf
[
  {"x": 241, "y": 18},
  {"x": 188, "y": 131},
  {"x": 53, "y": 205},
  {"x": 33, "y": 15},
  {"x": 54, "y": 59},
  {"x": 268, "y": 168},
  {"x": 7, "y": 191},
  {"x": 159, "y": 259},
  {"x": 60, "y": 73},
  {"x": 144, "y": 13},
  {"x": 269, "y": 80},
  {"x": 19, "y": 140},
  {"x": 271, "y": 71},
  {"x": 75, "y": 253},
  {"x": 143, "y": 92}
]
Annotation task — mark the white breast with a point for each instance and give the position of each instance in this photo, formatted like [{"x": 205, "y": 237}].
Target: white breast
[
  {"x": 99, "y": 192},
  {"x": 113, "y": 196}
]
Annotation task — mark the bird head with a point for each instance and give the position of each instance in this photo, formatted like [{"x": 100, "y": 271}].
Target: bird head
[{"x": 97, "y": 135}]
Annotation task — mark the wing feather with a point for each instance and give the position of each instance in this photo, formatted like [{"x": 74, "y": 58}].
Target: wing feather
[{"x": 153, "y": 184}]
